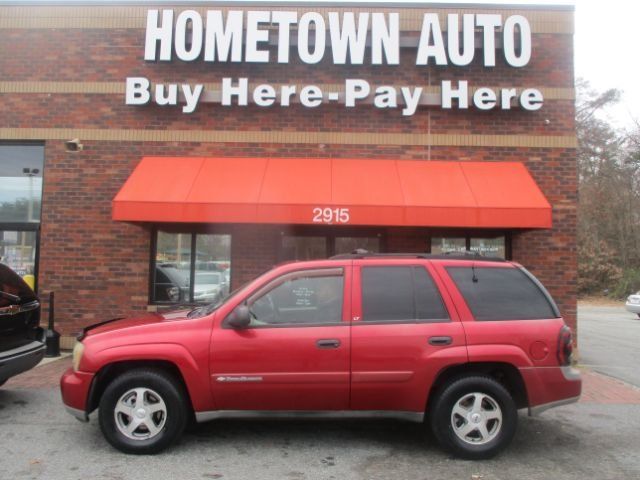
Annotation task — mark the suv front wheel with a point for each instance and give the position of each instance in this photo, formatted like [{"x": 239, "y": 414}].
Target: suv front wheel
[
  {"x": 474, "y": 417},
  {"x": 143, "y": 411}
]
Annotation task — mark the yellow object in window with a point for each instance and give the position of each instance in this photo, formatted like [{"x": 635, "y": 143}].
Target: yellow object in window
[{"x": 30, "y": 280}]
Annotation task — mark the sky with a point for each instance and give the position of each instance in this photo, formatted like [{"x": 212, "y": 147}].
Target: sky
[{"x": 606, "y": 52}]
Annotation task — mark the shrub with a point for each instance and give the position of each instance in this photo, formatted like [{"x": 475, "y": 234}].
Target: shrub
[{"x": 597, "y": 269}]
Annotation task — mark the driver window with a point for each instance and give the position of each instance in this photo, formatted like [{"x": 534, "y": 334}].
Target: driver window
[{"x": 300, "y": 300}]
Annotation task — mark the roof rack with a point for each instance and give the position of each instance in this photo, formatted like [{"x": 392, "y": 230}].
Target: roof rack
[{"x": 360, "y": 253}]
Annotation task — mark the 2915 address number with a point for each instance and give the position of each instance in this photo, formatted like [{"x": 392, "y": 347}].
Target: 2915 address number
[{"x": 331, "y": 215}]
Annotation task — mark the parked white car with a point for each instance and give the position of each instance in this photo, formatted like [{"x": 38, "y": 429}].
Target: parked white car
[
  {"x": 633, "y": 303},
  {"x": 208, "y": 287}
]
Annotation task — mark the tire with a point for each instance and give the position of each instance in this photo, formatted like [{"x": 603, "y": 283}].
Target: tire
[
  {"x": 474, "y": 417},
  {"x": 143, "y": 411}
]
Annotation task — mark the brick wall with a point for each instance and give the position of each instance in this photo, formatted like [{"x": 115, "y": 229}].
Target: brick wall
[{"x": 100, "y": 269}]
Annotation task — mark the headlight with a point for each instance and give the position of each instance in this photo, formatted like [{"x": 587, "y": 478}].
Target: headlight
[{"x": 78, "y": 350}]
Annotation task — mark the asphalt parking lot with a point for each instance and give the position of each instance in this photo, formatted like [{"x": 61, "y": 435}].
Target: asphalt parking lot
[
  {"x": 597, "y": 438},
  {"x": 583, "y": 441},
  {"x": 609, "y": 341}
]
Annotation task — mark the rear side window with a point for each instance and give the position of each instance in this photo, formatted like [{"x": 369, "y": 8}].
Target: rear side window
[
  {"x": 400, "y": 294},
  {"x": 502, "y": 294}
]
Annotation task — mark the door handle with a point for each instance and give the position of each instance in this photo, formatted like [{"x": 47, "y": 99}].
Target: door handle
[
  {"x": 440, "y": 341},
  {"x": 328, "y": 343}
]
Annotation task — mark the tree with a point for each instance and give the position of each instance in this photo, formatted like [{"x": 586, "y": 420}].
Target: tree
[{"x": 609, "y": 194}]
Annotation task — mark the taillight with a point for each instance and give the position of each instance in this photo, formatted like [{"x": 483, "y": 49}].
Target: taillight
[{"x": 565, "y": 346}]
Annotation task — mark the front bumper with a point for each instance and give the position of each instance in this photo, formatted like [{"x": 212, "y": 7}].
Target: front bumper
[
  {"x": 632, "y": 307},
  {"x": 78, "y": 414},
  {"x": 74, "y": 388},
  {"x": 18, "y": 360},
  {"x": 549, "y": 387}
]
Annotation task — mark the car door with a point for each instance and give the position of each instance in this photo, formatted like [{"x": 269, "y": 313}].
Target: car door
[
  {"x": 294, "y": 355},
  {"x": 404, "y": 331}
]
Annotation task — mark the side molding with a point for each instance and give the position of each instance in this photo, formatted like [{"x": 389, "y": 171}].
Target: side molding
[{"x": 416, "y": 417}]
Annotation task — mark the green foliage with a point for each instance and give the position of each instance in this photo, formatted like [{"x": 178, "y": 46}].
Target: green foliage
[{"x": 628, "y": 283}]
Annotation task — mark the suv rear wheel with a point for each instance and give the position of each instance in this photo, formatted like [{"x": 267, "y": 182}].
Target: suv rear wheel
[
  {"x": 474, "y": 417},
  {"x": 143, "y": 411}
]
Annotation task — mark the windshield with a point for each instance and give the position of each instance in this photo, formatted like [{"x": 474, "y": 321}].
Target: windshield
[{"x": 212, "y": 307}]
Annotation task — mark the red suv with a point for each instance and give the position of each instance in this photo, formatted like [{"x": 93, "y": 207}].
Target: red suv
[{"x": 459, "y": 342}]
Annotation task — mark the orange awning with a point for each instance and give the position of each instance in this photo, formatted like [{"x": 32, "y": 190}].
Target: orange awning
[{"x": 332, "y": 191}]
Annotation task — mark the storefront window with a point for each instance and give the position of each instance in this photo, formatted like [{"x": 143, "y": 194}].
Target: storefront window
[
  {"x": 486, "y": 246},
  {"x": 310, "y": 247},
  {"x": 303, "y": 248},
  {"x": 489, "y": 247},
  {"x": 441, "y": 245},
  {"x": 172, "y": 275},
  {"x": 181, "y": 257},
  {"x": 349, "y": 244},
  {"x": 21, "y": 179}
]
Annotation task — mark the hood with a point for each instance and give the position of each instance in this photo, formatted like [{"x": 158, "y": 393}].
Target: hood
[{"x": 125, "y": 323}]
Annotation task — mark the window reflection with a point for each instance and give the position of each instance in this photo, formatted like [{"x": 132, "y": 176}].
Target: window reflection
[
  {"x": 18, "y": 251},
  {"x": 213, "y": 268},
  {"x": 441, "y": 245},
  {"x": 349, "y": 244},
  {"x": 489, "y": 247},
  {"x": 173, "y": 268},
  {"x": 303, "y": 248},
  {"x": 304, "y": 300},
  {"x": 21, "y": 179}
]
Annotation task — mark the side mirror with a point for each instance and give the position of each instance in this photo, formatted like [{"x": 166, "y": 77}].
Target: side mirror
[{"x": 240, "y": 318}]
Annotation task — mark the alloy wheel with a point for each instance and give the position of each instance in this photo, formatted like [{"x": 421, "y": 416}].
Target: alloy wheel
[
  {"x": 140, "y": 414},
  {"x": 476, "y": 418}
]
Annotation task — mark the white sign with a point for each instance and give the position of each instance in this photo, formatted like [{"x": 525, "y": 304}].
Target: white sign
[{"x": 346, "y": 38}]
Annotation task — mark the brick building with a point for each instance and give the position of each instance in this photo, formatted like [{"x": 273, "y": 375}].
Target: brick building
[{"x": 89, "y": 210}]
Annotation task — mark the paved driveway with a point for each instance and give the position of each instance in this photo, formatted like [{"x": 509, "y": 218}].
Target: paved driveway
[
  {"x": 583, "y": 441},
  {"x": 595, "y": 439},
  {"x": 609, "y": 341}
]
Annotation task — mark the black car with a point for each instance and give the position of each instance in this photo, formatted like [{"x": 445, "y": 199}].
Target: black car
[
  {"x": 172, "y": 284},
  {"x": 21, "y": 338}
]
